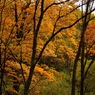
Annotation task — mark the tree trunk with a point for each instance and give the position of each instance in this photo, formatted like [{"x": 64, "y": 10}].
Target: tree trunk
[
  {"x": 74, "y": 70},
  {"x": 1, "y": 80},
  {"x": 28, "y": 82}
]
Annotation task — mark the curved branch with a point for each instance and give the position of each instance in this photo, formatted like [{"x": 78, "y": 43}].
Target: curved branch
[
  {"x": 53, "y": 35},
  {"x": 85, "y": 74}
]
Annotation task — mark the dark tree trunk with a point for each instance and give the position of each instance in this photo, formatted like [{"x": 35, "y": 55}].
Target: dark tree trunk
[
  {"x": 28, "y": 82},
  {"x": 1, "y": 79},
  {"x": 74, "y": 70}
]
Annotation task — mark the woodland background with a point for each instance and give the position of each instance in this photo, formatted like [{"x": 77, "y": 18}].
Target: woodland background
[{"x": 47, "y": 47}]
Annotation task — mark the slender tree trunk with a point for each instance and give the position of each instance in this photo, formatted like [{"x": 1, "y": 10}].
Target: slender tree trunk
[
  {"x": 33, "y": 64},
  {"x": 74, "y": 70},
  {"x": 1, "y": 82},
  {"x": 82, "y": 81},
  {"x": 28, "y": 82},
  {"x": 82, "y": 71},
  {"x": 0, "y": 57},
  {"x": 85, "y": 23},
  {"x": 85, "y": 20}
]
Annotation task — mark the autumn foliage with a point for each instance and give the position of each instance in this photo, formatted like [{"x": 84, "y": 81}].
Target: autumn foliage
[
  {"x": 23, "y": 21},
  {"x": 90, "y": 39}
]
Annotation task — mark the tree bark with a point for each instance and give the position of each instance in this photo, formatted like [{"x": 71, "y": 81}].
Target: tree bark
[
  {"x": 28, "y": 82},
  {"x": 74, "y": 70}
]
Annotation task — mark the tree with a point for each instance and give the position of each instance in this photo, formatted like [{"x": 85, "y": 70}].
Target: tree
[
  {"x": 24, "y": 22},
  {"x": 81, "y": 48}
]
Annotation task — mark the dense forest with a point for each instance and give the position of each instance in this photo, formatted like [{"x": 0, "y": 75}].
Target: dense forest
[{"x": 47, "y": 47}]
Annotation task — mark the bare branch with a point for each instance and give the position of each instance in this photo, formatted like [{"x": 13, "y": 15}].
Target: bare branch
[
  {"x": 90, "y": 64},
  {"x": 62, "y": 2},
  {"x": 53, "y": 35}
]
